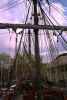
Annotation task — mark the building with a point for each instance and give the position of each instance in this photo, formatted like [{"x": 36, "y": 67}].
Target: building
[{"x": 57, "y": 69}]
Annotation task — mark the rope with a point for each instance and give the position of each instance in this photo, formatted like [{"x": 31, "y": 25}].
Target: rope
[
  {"x": 14, "y": 4},
  {"x": 9, "y": 57},
  {"x": 47, "y": 30},
  {"x": 16, "y": 55}
]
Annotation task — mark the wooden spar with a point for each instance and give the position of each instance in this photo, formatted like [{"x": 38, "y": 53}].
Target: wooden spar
[{"x": 30, "y": 26}]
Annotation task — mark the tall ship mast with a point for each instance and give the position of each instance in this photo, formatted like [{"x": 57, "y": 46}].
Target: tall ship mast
[{"x": 38, "y": 31}]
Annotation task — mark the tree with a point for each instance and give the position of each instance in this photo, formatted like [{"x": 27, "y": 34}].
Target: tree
[
  {"x": 4, "y": 58},
  {"x": 4, "y": 68},
  {"x": 25, "y": 66}
]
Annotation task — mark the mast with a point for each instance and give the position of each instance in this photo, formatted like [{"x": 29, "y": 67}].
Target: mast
[{"x": 37, "y": 54}]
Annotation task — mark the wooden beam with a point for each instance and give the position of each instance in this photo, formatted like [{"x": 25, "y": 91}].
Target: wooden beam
[{"x": 30, "y": 26}]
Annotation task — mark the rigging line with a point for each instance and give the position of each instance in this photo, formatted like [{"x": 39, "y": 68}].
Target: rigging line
[
  {"x": 45, "y": 23},
  {"x": 16, "y": 55},
  {"x": 25, "y": 46},
  {"x": 47, "y": 1},
  {"x": 22, "y": 30},
  {"x": 65, "y": 47},
  {"x": 26, "y": 2},
  {"x": 15, "y": 5},
  {"x": 52, "y": 5},
  {"x": 9, "y": 39},
  {"x": 32, "y": 37},
  {"x": 12, "y": 6},
  {"x": 9, "y": 4},
  {"x": 64, "y": 40},
  {"x": 47, "y": 46},
  {"x": 43, "y": 12},
  {"x": 22, "y": 35},
  {"x": 54, "y": 20},
  {"x": 53, "y": 40},
  {"x": 25, "y": 50},
  {"x": 52, "y": 24},
  {"x": 53, "y": 17},
  {"x": 46, "y": 15},
  {"x": 61, "y": 35},
  {"x": 56, "y": 9},
  {"x": 59, "y": 24},
  {"x": 25, "y": 23},
  {"x": 9, "y": 57}
]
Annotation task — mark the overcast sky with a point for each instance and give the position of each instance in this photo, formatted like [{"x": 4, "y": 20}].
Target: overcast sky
[{"x": 14, "y": 11}]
